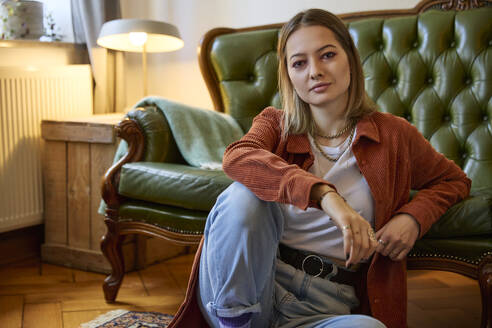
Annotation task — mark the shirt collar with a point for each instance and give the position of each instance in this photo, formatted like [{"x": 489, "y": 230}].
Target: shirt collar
[{"x": 366, "y": 127}]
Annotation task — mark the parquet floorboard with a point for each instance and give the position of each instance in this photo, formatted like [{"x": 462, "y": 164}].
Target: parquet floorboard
[
  {"x": 76, "y": 318},
  {"x": 11, "y": 311},
  {"x": 42, "y": 315},
  {"x": 35, "y": 294}
]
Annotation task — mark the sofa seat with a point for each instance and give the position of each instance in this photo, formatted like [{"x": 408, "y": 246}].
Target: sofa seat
[
  {"x": 470, "y": 249},
  {"x": 160, "y": 190},
  {"x": 178, "y": 185},
  {"x": 171, "y": 218},
  {"x": 470, "y": 217}
]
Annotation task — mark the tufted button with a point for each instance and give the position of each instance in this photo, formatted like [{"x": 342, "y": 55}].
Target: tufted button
[
  {"x": 490, "y": 43},
  {"x": 468, "y": 81},
  {"x": 485, "y": 118},
  {"x": 447, "y": 118},
  {"x": 251, "y": 77},
  {"x": 394, "y": 81},
  {"x": 377, "y": 300},
  {"x": 415, "y": 44},
  {"x": 464, "y": 155},
  {"x": 452, "y": 44},
  {"x": 381, "y": 46},
  {"x": 430, "y": 80},
  {"x": 409, "y": 117}
]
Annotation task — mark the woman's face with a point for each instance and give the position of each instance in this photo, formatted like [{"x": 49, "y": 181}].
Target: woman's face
[{"x": 318, "y": 67}]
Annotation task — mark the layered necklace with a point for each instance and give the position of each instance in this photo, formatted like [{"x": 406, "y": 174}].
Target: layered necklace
[
  {"x": 325, "y": 155},
  {"x": 336, "y": 135}
]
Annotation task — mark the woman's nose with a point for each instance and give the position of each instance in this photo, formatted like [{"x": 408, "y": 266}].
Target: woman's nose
[
  {"x": 315, "y": 71},
  {"x": 316, "y": 76}
]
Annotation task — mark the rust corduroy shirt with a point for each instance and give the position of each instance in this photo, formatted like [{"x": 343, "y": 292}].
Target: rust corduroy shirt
[{"x": 393, "y": 157}]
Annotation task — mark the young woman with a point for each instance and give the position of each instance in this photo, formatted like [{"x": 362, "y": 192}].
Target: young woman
[{"x": 291, "y": 243}]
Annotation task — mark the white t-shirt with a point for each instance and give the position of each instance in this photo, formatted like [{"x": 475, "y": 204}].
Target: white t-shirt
[{"x": 312, "y": 229}]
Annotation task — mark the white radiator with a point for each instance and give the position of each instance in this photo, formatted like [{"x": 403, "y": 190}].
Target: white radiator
[{"x": 27, "y": 96}]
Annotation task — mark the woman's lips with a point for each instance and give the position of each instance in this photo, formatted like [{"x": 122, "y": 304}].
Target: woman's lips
[{"x": 320, "y": 87}]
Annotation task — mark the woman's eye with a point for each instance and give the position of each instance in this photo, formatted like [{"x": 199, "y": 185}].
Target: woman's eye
[
  {"x": 329, "y": 54},
  {"x": 297, "y": 64}
]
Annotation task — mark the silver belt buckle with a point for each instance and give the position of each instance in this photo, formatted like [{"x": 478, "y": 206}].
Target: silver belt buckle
[
  {"x": 334, "y": 271},
  {"x": 316, "y": 257}
]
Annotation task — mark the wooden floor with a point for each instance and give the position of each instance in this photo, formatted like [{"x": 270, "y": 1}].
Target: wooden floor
[{"x": 39, "y": 295}]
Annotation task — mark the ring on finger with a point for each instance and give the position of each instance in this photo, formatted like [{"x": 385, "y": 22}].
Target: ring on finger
[
  {"x": 382, "y": 242},
  {"x": 346, "y": 227}
]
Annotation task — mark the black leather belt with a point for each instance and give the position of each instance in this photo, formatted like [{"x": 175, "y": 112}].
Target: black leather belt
[{"x": 316, "y": 266}]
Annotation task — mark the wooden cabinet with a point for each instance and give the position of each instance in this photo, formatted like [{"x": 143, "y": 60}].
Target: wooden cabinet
[{"x": 76, "y": 154}]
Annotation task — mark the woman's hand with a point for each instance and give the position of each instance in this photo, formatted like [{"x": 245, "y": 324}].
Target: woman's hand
[
  {"x": 358, "y": 237},
  {"x": 397, "y": 237}
]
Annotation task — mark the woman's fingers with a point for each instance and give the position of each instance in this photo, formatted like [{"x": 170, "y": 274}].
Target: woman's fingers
[
  {"x": 347, "y": 242},
  {"x": 381, "y": 245},
  {"x": 373, "y": 244},
  {"x": 363, "y": 243},
  {"x": 390, "y": 248},
  {"x": 402, "y": 254},
  {"x": 398, "y": 236},
  {"x": 354, "y": 227},
  {"x": 356, "y": 246},
  {"x": 357, "y": 243},
  {"x": 395, "y": 250}
]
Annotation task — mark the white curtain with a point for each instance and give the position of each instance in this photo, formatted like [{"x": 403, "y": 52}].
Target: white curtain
[{"x": 107, "y": 65}]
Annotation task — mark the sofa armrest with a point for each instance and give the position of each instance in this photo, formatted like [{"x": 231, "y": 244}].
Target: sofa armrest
[
  {"x": 159, "y": 142},
  {"x": 131, "y": 133},
  {"x": 146, "y": 136}
]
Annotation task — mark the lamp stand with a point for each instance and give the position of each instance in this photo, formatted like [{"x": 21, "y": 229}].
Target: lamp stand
[{"x": 144, "y": 64}]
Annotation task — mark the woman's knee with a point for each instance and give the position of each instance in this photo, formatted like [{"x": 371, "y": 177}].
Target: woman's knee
[{"x": 239, "y": 207}]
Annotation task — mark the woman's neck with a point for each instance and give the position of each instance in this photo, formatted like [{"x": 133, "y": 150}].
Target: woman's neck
[
  {"x": 330, "y": 118},
  {"x": 329, "y": 121}
]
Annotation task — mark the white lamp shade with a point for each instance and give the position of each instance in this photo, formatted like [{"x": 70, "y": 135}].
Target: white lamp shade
[{"x": 161, "y": 36}]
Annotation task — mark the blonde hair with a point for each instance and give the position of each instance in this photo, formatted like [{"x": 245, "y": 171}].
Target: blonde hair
[{"x": 297, "y": 115}]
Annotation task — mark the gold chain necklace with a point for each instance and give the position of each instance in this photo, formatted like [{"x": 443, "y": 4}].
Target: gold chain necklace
[
  {"x": 328, "y": 157},
  {"x": 336, "y": 135}
]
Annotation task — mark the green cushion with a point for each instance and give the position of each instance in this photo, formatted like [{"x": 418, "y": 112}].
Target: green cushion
[
  {"x": 471, "y": 217},
  {"x": 172, "y": 184},
  {"x": 432, "y": 69},
  {"x": 246, "y": 66},
  {"x": 469, "y": 249},
  {"x": 170, "y": 218}
]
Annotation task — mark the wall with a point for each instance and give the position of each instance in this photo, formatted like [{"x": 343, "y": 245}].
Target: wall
[
  {"x": 177, "y": 75},
  {"x": 61, "y": 13}
]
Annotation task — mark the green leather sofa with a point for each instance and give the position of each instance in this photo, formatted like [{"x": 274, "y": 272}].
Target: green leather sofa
[{"x": 430, "y": 64}]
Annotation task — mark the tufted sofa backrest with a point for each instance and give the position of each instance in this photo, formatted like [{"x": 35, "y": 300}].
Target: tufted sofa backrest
[{"x": 434, "y": 69}]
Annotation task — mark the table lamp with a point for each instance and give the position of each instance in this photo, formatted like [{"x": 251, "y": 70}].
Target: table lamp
[{"x": 140, "y": 35}]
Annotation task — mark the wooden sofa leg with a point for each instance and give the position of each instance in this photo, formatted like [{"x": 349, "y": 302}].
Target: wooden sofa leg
[
  {"x": 111, "y": 248},
  {"x": 485, "y": 281}
]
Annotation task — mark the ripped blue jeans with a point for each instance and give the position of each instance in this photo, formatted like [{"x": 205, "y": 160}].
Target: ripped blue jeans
[{"x": 240, "y": 272}]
